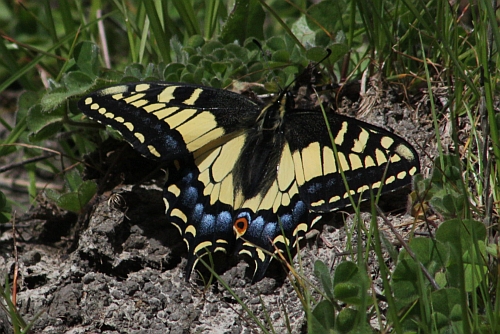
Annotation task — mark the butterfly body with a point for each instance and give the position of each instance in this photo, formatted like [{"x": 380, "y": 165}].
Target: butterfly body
[{"x": 250, "y": 178}]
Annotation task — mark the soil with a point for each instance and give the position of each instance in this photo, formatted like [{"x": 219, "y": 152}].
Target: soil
[{"x": 118, "y": 267}]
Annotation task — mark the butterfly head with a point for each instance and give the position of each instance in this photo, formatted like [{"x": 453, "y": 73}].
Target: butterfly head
[{"x": 271, "y": 116}]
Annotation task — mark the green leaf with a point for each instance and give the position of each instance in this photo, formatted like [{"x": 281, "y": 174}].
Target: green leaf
[
  {"x": 219, "y": 68},
  {"x": 179, "y": 51},
  {"x": 276, "y": 43},
  {"x": 220, "y": 55},
  {"x": 316, "y": 54},
  {"x": 210, "y": 47},
  {"x": 48, "y": 131},
  {"x": 346, "y": 320},
  {"x": 195, "y": 41},
  {"x": 348, "y": 283},
  {"x": 75, "y": 201},
  {"x": 5, "y": 209},
  {"x": 348, "y": 292},
  {"x": 345, "y": 272},
  {"x": 76, "y": 83},
  {"x": 446, "y": 305},
  {"x": 52, "y": 195},
  {"x": 461, "y": 233},
  {"x": 195, "y": 59},
  {"x": 445, "y": 301},
  {"x": 323, "y": 274},
  {"x": 26, "y": 101},
  {"x": 304, "y": 34},
  {"x": 86, "y": 191},
  {"x": 466, "y": 237},
  {"x": 322, "y": 320},
  {"x": 187, "y": 78},
  {"x": 339, "y": 50},
  {"x": 173, "y": 69},
  {"x": 69, "y": 202},
  {"x": 134, "y": 71},
  {"x": 246, "y": 20},
  {"x": 5, "y": 217},
  {"x": 3, "y": 201},
  {"x": 451, "y": 165},
  {"x": 405, "y": 291},
  {"x": 44, "y": 124},
  {"x": 87, "y": 58},
  {"x": 238, "y": 52},
  {"x": 452, "y": 173},
  {"x": 73, "y": 180},
  {"x": 325, "y": 14},
  {"x": 434, "y": 255},
  {"x": 281, "y": 56}
]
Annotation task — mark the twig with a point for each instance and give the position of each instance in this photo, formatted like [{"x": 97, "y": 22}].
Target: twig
[{"x": 27, "y": 161}]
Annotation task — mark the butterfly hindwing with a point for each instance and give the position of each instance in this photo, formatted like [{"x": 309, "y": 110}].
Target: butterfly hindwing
[{"x": 205, "y": 227}]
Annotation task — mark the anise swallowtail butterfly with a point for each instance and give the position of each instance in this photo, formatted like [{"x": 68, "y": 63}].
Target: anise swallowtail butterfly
[{"x": 245, "y": 177}]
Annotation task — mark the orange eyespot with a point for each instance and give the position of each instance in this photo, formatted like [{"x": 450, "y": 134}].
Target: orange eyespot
[{"x": 240, "y": 226}]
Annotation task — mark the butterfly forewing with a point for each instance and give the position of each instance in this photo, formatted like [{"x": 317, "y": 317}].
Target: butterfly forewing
[
  {"x": 370, "y": 158},
  {"x": 167, "y": 121}
]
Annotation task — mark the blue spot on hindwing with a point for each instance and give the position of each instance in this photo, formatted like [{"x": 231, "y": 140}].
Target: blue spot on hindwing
[
  {"x": 206, "y": 224},
  {"x": 188, "y": 178},
  {"x": 171, "y": 143},
  {"x": 189, "y": 197},
  {"x": 197, "y": 213},
  {"x": 255, "y": 226},
  {"x": 270, "y": 231},
  {"x": 314, "y": 188},
  {"x": 224, "y": 221},
  {"x": 298, "y": 211},
  {"x": 287, "y": 222}
]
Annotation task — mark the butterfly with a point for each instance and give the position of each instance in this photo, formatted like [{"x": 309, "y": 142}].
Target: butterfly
[{"x": 247, "y": 177}]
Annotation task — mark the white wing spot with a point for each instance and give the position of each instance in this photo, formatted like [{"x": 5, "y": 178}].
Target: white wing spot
[
  {"x": 182, "y": 216},
  {"x": 134, "y": 97},
  {"x": 386, "y": 142},
  {"x": 360, "y": 143},
  {"x": 167, "y": 94},
  {"x": 189, "y": 229},
  {"x": 194, "y": 96},
  {"x": 339, "y": 138},
  {"x": 153, "y": 151},
  {"x": 129, "y": 126},
  {"x": 139, "y": 136},
  {"x": 142, "y": 87}
]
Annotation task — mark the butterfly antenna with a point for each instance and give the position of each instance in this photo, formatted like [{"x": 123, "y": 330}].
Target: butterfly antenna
[
  {"x": 328, "y": 53},
  {"x": 287, "y": 87}
]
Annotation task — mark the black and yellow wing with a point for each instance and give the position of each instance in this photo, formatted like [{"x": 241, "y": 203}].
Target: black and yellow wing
[
  {"x": 165, "y": 121},
  {"x": 250, "y": 178}
]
